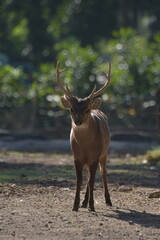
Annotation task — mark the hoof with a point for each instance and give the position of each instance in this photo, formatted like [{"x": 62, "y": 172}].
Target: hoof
[
  {"x": 91, "y": 209},
  {"x": 75, "y": 209},
  {"x": 109, "y": 203},
  {"x": 84, "y": 205}
]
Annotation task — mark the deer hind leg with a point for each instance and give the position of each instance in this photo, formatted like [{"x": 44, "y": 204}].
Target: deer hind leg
[
  {"x": 79, "y": 169},
  {"x": 103, "y": 172}
]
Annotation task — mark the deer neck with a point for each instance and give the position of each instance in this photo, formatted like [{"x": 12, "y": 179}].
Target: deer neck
[{"x": 84, "y": 132}]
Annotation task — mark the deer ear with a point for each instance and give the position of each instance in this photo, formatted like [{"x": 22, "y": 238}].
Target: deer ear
[
  {"x": 66, "y": 103},
  {"x": 96, "y": 103}
]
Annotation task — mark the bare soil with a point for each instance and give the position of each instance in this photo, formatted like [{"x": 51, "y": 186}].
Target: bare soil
[{"x": 37, "y": 193}]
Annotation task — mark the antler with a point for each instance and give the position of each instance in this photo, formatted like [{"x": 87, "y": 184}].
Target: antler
[
  {"x": 95, "y": 93},
  {"x": 65, "y": 90}
]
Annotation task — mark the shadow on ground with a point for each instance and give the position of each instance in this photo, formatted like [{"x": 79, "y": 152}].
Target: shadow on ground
[{"x": 136, "y": 217}]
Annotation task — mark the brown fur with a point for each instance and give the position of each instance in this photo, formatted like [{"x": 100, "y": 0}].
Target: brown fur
[{"x": 89, "y": 140}]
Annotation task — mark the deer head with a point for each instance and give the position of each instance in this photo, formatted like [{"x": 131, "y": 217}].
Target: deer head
[{"x": 80, "y": 108}]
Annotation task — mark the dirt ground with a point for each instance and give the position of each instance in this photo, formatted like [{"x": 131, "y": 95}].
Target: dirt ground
[{"x": 37, "y": 193}]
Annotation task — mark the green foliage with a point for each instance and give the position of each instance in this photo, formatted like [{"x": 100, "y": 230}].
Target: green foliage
[
  {"x": 13, "y": 89},
  {"x": 134, "y": 73},
  {"x": 38, "y": 33},
  {"x": 132, "y": 56},
  {"x": 30, "y": 29},
  {"x": 135, "y": 77},
  {"x": 80, "y": 63},
  {"x": 18, "y": 87}
]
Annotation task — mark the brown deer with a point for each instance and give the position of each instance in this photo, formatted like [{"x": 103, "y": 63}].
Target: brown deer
[{"x": 89, "y": 138}]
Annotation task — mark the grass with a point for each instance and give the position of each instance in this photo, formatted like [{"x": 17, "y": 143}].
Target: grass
[
  {"x": 10, "y": 175},
  {"x": 153, "y": 156},
  {"x": 18, "y": 167}
]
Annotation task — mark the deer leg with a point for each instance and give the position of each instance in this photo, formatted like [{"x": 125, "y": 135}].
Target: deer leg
[
  {"x": 85, "y": 201},
  {"x": 104, "y": 179},
  {"x": 79, "y": 168},
  {"x": 92, "y": 171}
]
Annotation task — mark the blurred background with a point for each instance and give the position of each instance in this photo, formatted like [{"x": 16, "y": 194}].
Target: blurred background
[{"x": 84, "y": 35}]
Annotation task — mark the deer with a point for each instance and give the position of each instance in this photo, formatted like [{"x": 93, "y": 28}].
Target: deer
[{"x": 89, "y": 138}]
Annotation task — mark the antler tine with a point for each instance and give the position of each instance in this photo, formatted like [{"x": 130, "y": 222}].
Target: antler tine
[
  {"x": 93, "y": 91},
  {"x": 102, "y": 89},
  {"x": 66, "y": 90}
]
